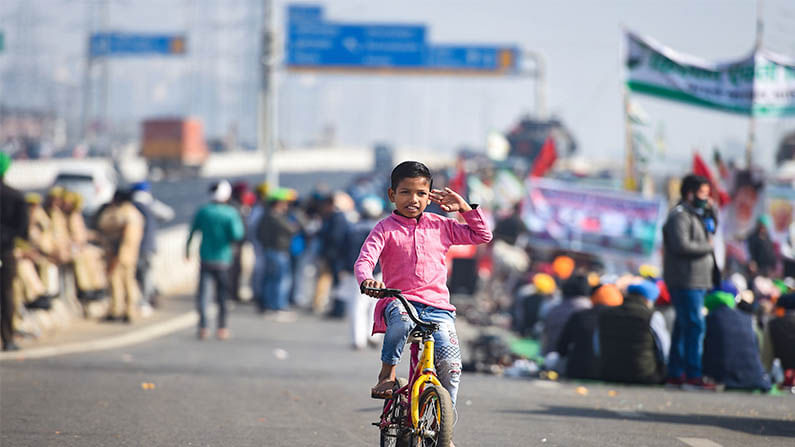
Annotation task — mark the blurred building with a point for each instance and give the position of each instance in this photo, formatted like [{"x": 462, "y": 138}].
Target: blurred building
[{"x": 31, "y": 133}]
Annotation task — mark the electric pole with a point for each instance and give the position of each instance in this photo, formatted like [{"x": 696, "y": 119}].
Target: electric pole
[{"x": 267, "y": 126}]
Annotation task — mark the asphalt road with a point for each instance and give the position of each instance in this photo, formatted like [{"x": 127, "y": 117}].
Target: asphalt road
[{"x": 298, "y": 384}]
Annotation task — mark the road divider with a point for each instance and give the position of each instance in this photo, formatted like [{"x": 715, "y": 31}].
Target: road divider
[
  {"x": 39, "y": 174},
  {"x": 173, "y": 273}
]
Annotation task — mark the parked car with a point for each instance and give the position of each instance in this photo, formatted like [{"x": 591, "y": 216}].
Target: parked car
[{"x": 96, "y": 184}]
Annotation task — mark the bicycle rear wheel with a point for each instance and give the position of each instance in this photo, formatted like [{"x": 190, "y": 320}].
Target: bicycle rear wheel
[
  {"x": 390, "y": 437},
  {"x": 436, "y": 418},
  {"x": 395, "y": 435}
]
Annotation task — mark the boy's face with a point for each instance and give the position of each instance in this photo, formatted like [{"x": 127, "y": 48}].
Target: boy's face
[{"x": 411, "y": 196}]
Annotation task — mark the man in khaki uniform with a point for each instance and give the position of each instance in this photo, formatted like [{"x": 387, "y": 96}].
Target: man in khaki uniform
[
  {"x": 60, "y": 226},
  {"x": 88, "y": 259},
  {"x": 123, "y": 226},
  {"x": 39, "y": 249}
]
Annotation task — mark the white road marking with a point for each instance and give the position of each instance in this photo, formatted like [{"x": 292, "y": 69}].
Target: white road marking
[
  {"x": 629, "y": 414},
  {"x": 699, "y": 442},
  {"x": 147, "y": 333},
  {"x": 546, "y": 384}
]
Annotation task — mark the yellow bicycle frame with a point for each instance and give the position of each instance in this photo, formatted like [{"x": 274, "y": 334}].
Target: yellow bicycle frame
[{"x": 425, "y": 365}]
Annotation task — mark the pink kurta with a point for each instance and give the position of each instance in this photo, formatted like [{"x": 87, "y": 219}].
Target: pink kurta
[{"x": 412, "y": 255}]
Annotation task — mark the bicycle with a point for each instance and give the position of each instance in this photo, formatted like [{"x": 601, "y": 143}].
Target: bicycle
[{"x": 420, "y": 411}]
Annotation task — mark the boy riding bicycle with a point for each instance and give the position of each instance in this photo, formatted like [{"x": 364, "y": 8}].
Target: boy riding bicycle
[{"x": 411, "y": 247}]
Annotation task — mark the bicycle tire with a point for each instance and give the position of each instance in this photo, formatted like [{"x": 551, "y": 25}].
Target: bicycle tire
[
  {"x": 389, "y": 436},
  {"x": 441, "y": 420}
]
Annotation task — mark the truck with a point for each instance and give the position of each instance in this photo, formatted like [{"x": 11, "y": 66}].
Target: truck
[
  {"x": 173, "y": 147},
  {"x": 529, "y": 135}
]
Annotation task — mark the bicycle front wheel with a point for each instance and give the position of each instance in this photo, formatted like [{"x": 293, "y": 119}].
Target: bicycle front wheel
[{"x": 435, "y": 426}]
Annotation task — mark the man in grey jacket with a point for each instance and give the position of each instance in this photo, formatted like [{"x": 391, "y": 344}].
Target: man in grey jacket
[{"x": 688, "y": 263}]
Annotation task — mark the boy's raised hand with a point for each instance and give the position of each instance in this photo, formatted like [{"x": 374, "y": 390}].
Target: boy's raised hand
[{"x": 449, "y": 200}]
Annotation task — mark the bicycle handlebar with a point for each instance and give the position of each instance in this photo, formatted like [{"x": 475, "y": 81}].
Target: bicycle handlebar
[
  {"x": 410, "y": 309},
  {"x": 384, "y": 292}
]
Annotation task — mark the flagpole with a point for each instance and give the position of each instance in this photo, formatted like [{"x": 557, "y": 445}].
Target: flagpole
[
  {"x": 749, "y": 146},
  {"x": 630, "y": 182}
]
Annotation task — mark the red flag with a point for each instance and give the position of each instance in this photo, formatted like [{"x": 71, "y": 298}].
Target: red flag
[
  {"x": 701, "y": 168},
  {"x": 720, "y": 196},
  {"x": 546, "y": 158}
]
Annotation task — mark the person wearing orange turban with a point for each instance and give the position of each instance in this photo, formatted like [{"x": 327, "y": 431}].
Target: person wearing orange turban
[
  {"x": 576, "y": 340},
  {"x": 607, "y": 295},
  {"x": 563, "y": 266}
]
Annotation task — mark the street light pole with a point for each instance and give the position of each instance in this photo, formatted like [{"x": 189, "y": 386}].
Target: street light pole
[
  {"x": 86, "y": 109},
  {"x": 85, "y": 114},
  {"x": 267, "y": 137},
  {"x": 539, "y": 75}
]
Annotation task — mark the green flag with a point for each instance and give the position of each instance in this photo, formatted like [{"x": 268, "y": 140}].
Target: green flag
[{"x": 761, "y": 84}]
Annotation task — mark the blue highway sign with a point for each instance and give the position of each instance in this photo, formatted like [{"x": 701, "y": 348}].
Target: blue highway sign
[
  {"x": 475, "y": 58},
  {"x": 315, "y": 43},
  {"x": 136, "y": 44},
  {"x": 356, "y": 45}
]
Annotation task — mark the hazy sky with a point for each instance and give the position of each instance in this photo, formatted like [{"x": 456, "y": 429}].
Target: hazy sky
[{"x": 580, "y": 40}]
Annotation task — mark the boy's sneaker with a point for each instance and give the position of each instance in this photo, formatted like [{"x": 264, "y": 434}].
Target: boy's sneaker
[
  {"x": 675, "y": 382},
  {"x": 699, "y": 384}
]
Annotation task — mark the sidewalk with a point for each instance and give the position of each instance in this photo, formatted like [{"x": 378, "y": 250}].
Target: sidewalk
[{"x": 82, "y": 335}]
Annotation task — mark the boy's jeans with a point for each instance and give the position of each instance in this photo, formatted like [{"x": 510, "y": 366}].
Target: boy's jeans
[
  {"x": 447, "y": 354},
  {"x": 687, "y": 340},
  {"x": 207, "y": 274}
]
